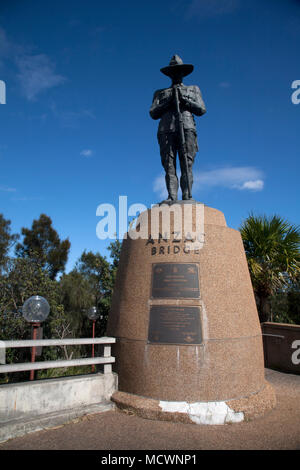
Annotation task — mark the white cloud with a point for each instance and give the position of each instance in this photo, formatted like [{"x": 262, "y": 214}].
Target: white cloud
[
  {"x": 256, "y": 185},
  {"x": 36, "y": 74},
  {"x": 86, "y": 153},
  {"x": 228, "y": 177},
  {"x": 238, "y": 178}
]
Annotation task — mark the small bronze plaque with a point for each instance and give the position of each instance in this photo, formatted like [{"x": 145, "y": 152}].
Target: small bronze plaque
[
  {"x": 174, "y": 325},
  {"x": 175, "y": 280}
]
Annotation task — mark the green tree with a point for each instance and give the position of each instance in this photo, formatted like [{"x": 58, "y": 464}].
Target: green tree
[
  {"x": 42, "y": 243},
  {"x": 293, "y": 296},
  {"x": 272, "y": 250},
  {"x": 285, "y": 304},
  {"x": 23, "y": 278},
  {"x": 96, "y": 270},
  {"x": 77, "y": 296},
  {"x": 7, "y": 240},
  {"x": 90, "y": 284},
  {"x": 115, "y": 251}
]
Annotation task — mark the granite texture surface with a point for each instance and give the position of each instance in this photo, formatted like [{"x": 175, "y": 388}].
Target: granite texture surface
[{"x": 228, "y": 364}]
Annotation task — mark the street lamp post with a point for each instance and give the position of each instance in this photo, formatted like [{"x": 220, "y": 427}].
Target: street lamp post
[
  {"x": 93, "y": 315},
  {"x": 35, "y": 310}
]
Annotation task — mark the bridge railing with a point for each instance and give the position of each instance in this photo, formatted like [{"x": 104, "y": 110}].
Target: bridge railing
[{"x": 106, "y": 359}]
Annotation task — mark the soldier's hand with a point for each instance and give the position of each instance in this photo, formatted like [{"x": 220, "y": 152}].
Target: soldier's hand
[
  {"x": 169, "y": 96},
  {"x": 183, "y": 97}
]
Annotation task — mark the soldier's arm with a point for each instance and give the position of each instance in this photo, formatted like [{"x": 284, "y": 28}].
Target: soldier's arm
[
  {"x": 196, "y": 105},
  {"x": 159, "y": 105}
]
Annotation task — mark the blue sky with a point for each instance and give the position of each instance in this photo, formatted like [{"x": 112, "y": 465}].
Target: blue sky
[{"x": 76, "y": 131}]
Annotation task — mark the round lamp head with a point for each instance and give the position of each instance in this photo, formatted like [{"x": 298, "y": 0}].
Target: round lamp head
[
  {"x": 35, "y": 309},
  {"x": 92, "y": 313}
]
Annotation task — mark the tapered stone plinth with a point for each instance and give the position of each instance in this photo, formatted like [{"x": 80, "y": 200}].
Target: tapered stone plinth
[{"x": 189, "y": 344}]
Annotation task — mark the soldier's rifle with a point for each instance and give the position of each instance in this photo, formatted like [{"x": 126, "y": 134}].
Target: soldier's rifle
[{"x": 182, "y": 138}]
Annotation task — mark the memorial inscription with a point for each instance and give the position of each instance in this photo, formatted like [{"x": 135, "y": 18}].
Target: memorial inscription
[
  {"x": 174, "y": 325},
  {"x": 175, "y": 280}
]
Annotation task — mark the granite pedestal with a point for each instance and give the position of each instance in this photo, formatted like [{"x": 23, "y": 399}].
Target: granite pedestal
[{"x": 189, "y": 343}]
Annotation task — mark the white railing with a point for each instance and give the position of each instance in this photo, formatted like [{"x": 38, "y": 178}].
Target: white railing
[{"x": 106, "y": 359}]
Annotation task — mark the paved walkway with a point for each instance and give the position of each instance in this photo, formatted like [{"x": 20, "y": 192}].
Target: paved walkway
[{"x": 279, "y": 429}]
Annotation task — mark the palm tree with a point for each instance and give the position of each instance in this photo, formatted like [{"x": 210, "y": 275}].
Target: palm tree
[{"x": 272, "y": 250}]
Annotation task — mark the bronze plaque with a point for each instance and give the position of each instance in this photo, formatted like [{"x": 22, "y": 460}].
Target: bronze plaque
[
  {"x": 175, "y": 280},
  {"x": 174, "y": 325}
]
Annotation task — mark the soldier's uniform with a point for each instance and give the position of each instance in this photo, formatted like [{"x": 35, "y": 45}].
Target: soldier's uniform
[{"x": 164, "y": 108}]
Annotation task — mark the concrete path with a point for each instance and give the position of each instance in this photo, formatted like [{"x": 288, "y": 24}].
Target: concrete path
[{"x": 279, "y": 429}]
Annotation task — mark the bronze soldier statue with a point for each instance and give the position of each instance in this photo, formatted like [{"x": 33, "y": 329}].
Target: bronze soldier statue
[{"x": 175, "y": 107}]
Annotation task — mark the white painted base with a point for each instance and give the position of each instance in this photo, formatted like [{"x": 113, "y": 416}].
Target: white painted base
[{"x": 217, "y": 412}]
